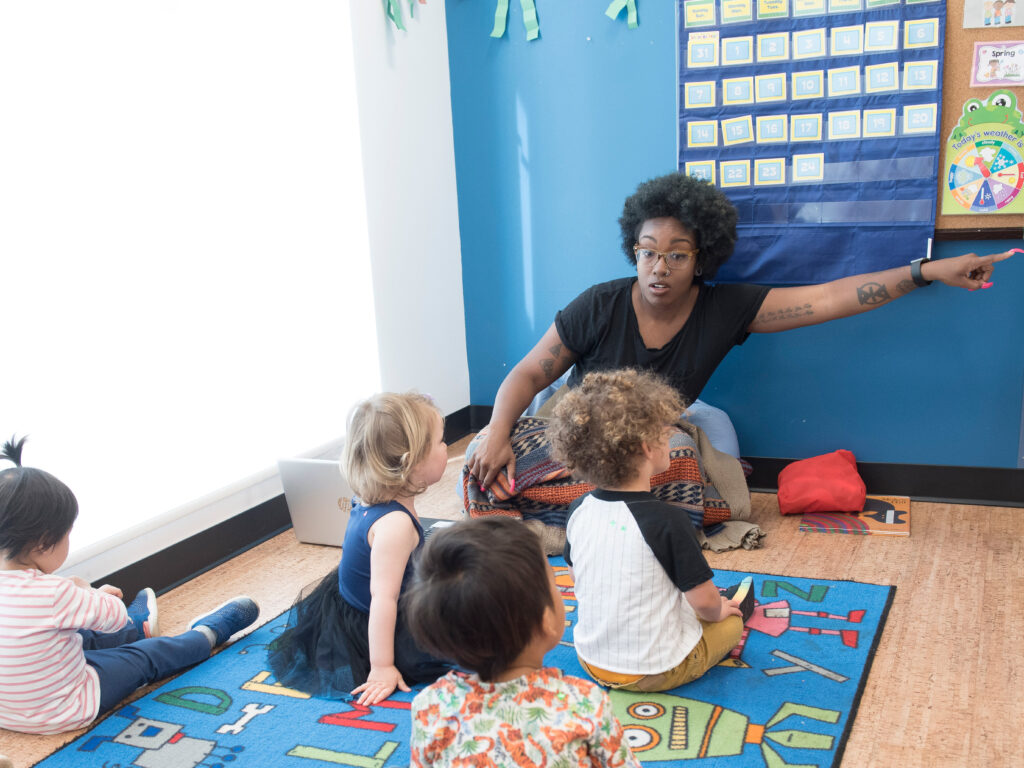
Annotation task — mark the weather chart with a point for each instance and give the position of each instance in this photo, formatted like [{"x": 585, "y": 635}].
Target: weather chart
[
  {"x": 820, "y": 120},
  {"x": 985, "y": 152}
]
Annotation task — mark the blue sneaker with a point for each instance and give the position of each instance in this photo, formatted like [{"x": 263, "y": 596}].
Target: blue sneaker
[
  {"x": 227, "y": 619},
  {"x": 143, "y": 614}
]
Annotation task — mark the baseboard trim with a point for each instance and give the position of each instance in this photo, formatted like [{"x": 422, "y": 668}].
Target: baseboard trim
[
  {"x": 479, "y": 416},
  {"x": 459, "y": 424},
  {"x": 197, "y": 554},
  {"x": 986, "y": 486},
  {"x": 996, "y": 233}
]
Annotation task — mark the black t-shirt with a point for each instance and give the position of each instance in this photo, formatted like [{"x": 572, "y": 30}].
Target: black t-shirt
[{"x": 601, "y": 328}]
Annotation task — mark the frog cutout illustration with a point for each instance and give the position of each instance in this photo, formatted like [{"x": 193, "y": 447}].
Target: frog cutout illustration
[{"x": 1000, "y": 108}]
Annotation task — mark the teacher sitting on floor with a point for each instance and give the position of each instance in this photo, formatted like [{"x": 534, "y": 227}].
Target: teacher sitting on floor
[{"x": 678, "y": 230}]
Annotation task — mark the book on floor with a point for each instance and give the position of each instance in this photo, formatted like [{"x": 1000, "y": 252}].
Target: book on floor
[{"x": 882, "y": 515}]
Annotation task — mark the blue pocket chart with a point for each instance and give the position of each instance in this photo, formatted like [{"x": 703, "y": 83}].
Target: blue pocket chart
[{"x": 818, "y": 118}]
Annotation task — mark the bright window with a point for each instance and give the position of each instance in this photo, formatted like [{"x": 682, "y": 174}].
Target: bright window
[{"x": 183, "y": 245}]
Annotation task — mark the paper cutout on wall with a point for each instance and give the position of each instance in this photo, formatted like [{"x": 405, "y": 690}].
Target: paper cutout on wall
[
  {"x": 529, "y": 19},
  {"x": 616, "y": 8},
  {"x": 394, "y": 11}
]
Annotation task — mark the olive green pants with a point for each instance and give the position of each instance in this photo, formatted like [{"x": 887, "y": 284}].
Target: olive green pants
[{"x": 717, "y": 640}]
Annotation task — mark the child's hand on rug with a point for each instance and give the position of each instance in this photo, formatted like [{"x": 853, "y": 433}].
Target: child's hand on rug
[
  {"x": 380, "y": 683},
  {"x": 711, "y": 605},
  {"x": 730, "y": 608}
]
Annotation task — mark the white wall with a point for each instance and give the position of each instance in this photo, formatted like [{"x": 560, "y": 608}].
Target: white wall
[
  {"x": 409, "y": 163},
  {"x": 235, "y": 56}
]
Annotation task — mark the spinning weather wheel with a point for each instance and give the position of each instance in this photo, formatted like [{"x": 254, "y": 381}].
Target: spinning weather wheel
[{"x": 986, "y": 175}]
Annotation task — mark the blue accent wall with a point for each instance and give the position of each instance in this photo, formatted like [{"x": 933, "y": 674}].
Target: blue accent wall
[
  {"x": 552, "y": 135},
  {"x": 936, "y": 377}
]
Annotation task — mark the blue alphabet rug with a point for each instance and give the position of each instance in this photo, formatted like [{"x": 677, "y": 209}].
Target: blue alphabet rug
[{"x": 787, "y": 695}]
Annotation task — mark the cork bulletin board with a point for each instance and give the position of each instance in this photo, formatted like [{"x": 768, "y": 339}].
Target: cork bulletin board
[{"x": 956, "y": 91}]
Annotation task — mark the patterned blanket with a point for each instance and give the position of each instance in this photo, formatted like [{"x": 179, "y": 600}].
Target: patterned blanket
[{"x": 545, "y": 489}]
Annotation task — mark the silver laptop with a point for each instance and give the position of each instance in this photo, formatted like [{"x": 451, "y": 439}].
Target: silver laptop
[{"x": 319, "y": 499}]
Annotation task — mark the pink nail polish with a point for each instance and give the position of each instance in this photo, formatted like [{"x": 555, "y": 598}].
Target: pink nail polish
[
  {"x": 988, "y": 285},
  {"x": 1016, "y": 250},
  {"x": 513, "y": 485}
]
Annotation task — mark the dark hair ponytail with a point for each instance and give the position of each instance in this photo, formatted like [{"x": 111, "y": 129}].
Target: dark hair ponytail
[
  {"x": 11, "y": 450},
  {"x": 36, "y": 509}
]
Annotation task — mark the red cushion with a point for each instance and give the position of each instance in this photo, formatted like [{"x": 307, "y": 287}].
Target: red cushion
[{"x": 827, "y": 483}]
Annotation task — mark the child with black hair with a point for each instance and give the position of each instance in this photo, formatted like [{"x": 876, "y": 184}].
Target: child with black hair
[
  {"x": 650, "y": 616},
  {"x": 485, "y": 596},
  {"x": 68, "y": 652}
]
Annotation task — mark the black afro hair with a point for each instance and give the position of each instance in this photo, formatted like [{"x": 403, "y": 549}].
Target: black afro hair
[{"x": 696, "y": 204}]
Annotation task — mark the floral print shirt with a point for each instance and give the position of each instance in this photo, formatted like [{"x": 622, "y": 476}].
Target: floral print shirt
[{"x": 543, "y": 718}]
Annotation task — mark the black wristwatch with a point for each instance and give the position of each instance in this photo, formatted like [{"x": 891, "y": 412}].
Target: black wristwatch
[{"x": 915, "y": 272}]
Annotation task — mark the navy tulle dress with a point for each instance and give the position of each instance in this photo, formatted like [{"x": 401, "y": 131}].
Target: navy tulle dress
[{"x": 325, "y": 650}]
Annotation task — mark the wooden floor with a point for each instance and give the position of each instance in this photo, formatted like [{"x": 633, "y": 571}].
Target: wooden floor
[{"x": 947, "y": 685}]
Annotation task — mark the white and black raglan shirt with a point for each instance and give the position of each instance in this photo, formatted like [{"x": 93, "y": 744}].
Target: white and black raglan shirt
[{"x": 633, "y": 556}]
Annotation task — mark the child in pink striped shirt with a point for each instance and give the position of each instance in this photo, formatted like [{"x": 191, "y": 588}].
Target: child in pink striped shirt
[{"x": 68, "y": 652}]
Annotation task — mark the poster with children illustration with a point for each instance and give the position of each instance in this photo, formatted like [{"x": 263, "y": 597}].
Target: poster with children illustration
[
  {"x": 991, "y": 13},
  {"x": 998, "y": 63}
]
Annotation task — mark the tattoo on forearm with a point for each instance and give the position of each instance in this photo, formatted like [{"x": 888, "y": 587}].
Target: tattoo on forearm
[
  {"x": 789, "y": 313},
  {"x": 556, "y": 351},
  {"x": 548, "y": 366},
  {"x": 871, "y": 294},
  {"x": 905, "y": 286}
]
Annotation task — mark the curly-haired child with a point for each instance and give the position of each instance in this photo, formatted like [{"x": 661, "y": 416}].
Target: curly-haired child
[
  {"x": 68, "y": 652},
  {"x": 485, "y": 596},
  {"x": 650, "y": 616}
]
